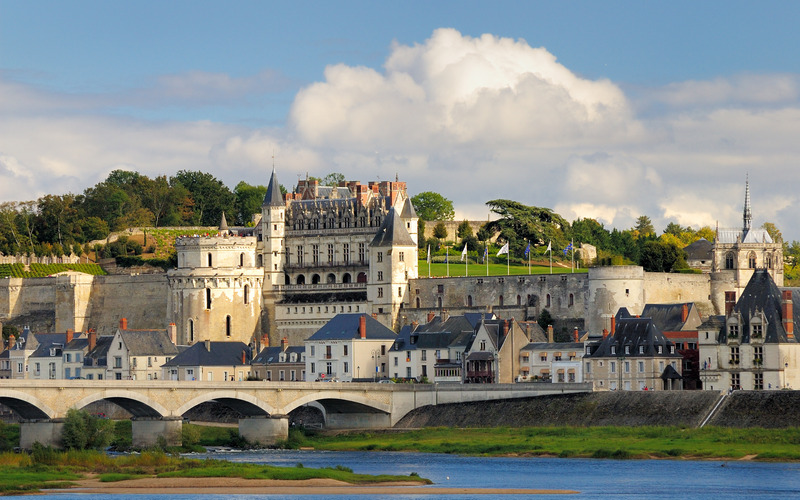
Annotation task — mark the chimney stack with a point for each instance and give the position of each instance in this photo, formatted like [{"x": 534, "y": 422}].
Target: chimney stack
[
  {"x": 123, "y": 324},
  {"x": 444, "y": 315},
  {"x": 265, "y": 341},
  {"x": 576, "y": 335},
  {"x": 787, "y": 311},
  {"x": 505, "y": 327},
  {"x": 172, "y": 329},
  {"x": 92, "y": 340},
  {"x": 550, "y": 333},
  {"x": 244, "y": 357},
  {"x": 613, "y": 325},
  {"x": 70, "y": 334},
  {"x": 12, "y": 340},
  {"x": 431, "y": 315},
  {"x": 285, "y": 343},
  {"x": 362, "y": 327},
  {"x": 684, "y": 313},
  {"x": 208, "y": 345},
  {"x": 605, "y": 333}
]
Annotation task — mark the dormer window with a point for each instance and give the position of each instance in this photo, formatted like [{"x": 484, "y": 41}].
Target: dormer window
[
  {"x": 756, "y": 328},
  {"x": 733, "y": 331},
  {"x": 613, "y": 349},
  {"x": 661, "y": 349},
  {"x": 627, "y": 349},
  {"x": 672, "y": 349},
  {"x": 641, "y": 349}
]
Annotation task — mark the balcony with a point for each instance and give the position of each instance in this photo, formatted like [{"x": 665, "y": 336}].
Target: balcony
[
  {"x": 321, "y": 287},
  {"x": 323, "y": 265}
]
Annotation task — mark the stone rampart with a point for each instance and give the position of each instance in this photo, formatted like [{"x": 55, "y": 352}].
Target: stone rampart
[
  {"x": 141, "y": 299},
  {"x": 666, "y": 288}
]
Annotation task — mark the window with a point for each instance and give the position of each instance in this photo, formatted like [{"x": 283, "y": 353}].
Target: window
[
  {"x": 757, "y": 330},
  {"x": 627, "y": 367},
  {"x": 612, "y": 367},
  {"x": 315, "y": 254},
  {"x": 734, "y": 360},
  {"x": 328, "y": 353},
  {"x": 627, "y": 349},
  {"x": 661, "y": 349},
  {"x": 330, "y": 259},
  {"x": 227, "y": 326},
  {"x": 67, "y": 373},
  {"x": 571, "y": 300},
  {"x": 346, "y": 253},
  {"x": 641, "y": 366},
  {"x": 613, "y": 350},
  {"x": 117, "y": 362},
  {"x": 543, "y": 357},
  {"x": 380, "y": 256},
  {"x": 149, "y": 361},
  {"x": 362, "y": 253},
  {"x": 424, "y": 355},
  {"x": 735, "y": 381},
  {"x": 733, "y": 331},
  {"x": 729, "y": 260},
  {"x": 483, "y": 345},
  {"x": 758, "y": 381},
  {"x": 344, "y": 349},
  {"x": 758, "y": 356},
  {"x": 209, "y": 260},
  {"x": 191, "y": 331},
  {"x": 313, "y": 368},
  {"x": 547, "y": 300},
  {"x": 401, "y": 256},
  {"x": 247, "y": 294},
  {"x": 641, "y": 349},
  {"x": 300, "y": 255},
  {"x": 751, "y": 260},
  {"x": 312, "y": 351},
  {"x": 439, "y": 288},
  {"x": 588, "y": 367},
  {"x": 380, "y": 275},
  {"x": 396, "y": 360},
  {"x": 328, "y": 368},
  {"x": 380, "y": 293},
  {"x": 68, "y": 358},
  {"x": 208, "y": 298},
  {"x": 346, "y": 367}
]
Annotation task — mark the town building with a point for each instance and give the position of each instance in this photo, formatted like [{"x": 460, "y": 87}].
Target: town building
[
  {"x": 550, "y": 361},
  {"x": 95, "y": 362},
  {"x": 753, "y": 346},
  {"x": 139, "y": 354},
  {"x": 494, "y": 353},
  {"x": 281, "y": 363},
  {"x": 348, "y": 347},
  {"x": 210, "y": 361},
  {"x": 679, "y": 323}
]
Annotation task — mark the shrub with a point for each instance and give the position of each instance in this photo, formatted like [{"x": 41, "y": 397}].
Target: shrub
[{"x": 83, "y": 430}]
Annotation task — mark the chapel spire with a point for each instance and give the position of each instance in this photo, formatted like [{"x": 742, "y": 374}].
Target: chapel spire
[{"x": 747, "y": 216}]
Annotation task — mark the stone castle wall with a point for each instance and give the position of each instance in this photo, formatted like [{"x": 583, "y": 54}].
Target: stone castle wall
[{"x": 141, "y": 299}]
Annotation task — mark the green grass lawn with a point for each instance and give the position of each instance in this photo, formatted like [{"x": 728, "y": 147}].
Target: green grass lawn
[
  {"x": 476, "y": 269},
  {"x": 596, "y": 442}
]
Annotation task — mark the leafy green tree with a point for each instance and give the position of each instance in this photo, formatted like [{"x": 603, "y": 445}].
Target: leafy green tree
[
  {"x": 84, "y": 431},
  {"x": 464, "y": 229},
  {"x": 433, "y": 206},
  {"x": 773, "y": 231},
  {"x": 332, "y": 179},
  {"x": 658, "y": 256},
  {"x": 94, "y": 228},
  {"x": 518, "y": 223},
  {"x": 248, "y": 202},
  {"x": 592, "y": 232},
  {"x": 544, "y": 319},
  {"x": 421, "y": 240},
  {"x": 644, "y": 226},
  {"x": 210, "y": 196},
  {"x": 440, "y": 231},
  {"x": 9, "y": 330}
]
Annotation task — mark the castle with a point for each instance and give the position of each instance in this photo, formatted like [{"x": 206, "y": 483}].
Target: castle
[{"x": 321, "y": 250}]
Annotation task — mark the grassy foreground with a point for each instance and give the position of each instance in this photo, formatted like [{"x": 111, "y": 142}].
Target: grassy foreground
[
  {"x": 589, "y": 442},
  {"x": 46, "y": 469}
]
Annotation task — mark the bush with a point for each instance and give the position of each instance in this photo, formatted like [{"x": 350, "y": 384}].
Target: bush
[{"x": 83, "y": 431}]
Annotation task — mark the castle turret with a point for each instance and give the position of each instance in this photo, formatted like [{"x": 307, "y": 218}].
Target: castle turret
[{"x": 273, "y": 233}]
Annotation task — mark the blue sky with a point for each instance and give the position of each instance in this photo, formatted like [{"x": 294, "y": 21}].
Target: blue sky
[{"x": 596, "y": 109}]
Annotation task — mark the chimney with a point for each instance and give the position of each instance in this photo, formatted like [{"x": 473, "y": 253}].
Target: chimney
[
  {"x": 12, "y": 340},
  {"x": 362, "y": 326},
  {"x": 787, "y": 311},
  {"x": 172, "y": 329},
  {"x": 285, "y": 343},
  {"x": 550, "y": 333},
  {"x": 265, "y": 340},
  {"x": 684, "y": 313},
  {"x": 70, "y": 334},
  {"x": 605, "y": 333},
  {"x": 576, "y": 334},
  {"x": 505, "y": 328},
  {"x": 92, "y": 340},
  {"x": 431, "y": 315},
  {"x": 244, "y": 357},
  {"x": 444, "y": 315},
  {"x": 123, "y": 324},
  {"x": 414, "y": 325},
  {"x": 374, "y": 315},
  {"x": 208, "y": 345},
  {"x": 613, "y": 325}
]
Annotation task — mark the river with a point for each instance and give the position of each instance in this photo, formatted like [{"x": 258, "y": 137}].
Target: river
[{"x": 593, "y": 478}]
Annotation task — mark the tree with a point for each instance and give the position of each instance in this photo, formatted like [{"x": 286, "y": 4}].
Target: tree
[
  {"x": 644, "y": 226},
  {"x": 662, "y": 257},
  {"x": 592, "y": 232},
  {"x": 210, "y": 196},
  {"x": 9, "y": 330},
  {"x": 464, "y": 230},
  {"x": 440, "y": 231},
  {"x": 248, "y": 200},
  {"x": 544, "y": 319},
  {"x": 433, "y": 206},
  {"x": 332, "y": 179},
  {"x": 773, "y": 231},
  {"x": 84, "y": 431},
  {"x": 519, "y": 222}
]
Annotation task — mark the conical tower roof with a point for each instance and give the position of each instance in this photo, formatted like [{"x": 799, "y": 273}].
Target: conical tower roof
[
  {"x": 223, "y": 224},
  {"x": 273, "y": 198},
  {"x": 392, "y": 232}
]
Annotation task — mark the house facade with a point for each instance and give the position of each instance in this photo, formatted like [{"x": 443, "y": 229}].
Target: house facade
[
  {"x": 281, "y": 363},
  {"x": 210, "y": 361},
  {"x": 139, "y": 354}
]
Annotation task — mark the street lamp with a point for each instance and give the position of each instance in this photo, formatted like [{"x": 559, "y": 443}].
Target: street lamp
[
  {"x": 358, "y": 371},
  {"x": 375, "y": 357}
]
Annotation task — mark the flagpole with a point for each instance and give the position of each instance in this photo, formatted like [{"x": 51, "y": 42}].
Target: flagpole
[
  {"x": 508, "y": 262},
  {"x": 486, "y": 256},
  {"x": 447, "y": 260},
  {"x": 550, "y": 249},
  {"x": 429, "y": 261},
  {"x": 572, "y": 244},
  {"x": 528, "y": 251}
]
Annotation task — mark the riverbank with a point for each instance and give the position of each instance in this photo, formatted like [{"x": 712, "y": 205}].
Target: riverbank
[{"x": 644, "y": 442}]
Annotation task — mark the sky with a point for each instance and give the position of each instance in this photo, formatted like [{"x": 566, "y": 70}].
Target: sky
[{"x": 607, "y": 110}]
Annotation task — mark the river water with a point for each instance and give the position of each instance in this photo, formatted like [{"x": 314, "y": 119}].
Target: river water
[{"x": 593, "y": 478}]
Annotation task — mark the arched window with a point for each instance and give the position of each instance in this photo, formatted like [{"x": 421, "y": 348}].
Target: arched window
[
  {"x": 571, "y": 300},
  {"x": 519, "y": 300},
  {"x": 768, "y": 261},
  {"x": 260, "y": 260},
  {"x": 191, "y": 331},
  {"x": 417, "y": 302},
  {"x": 362, "y": 278},
  {"x": 209, "y": 259},
  {"x": 331, "y": 278},
  {"x": 346, "y": 278},
  {"x": 315, "y": 279},
  {"x": 469, "y": 300},
  {"x": 301, "y": 279},
  {"x": 227, "y": 326},
  {"x": 729, "y": 260},
  {"x": 208, "y": 298},
  {"x": 287, "y": 280},
  {"x": 547, "y": 300},
  {"x": 247, "y": 294},
  {"x": 439, "y": 301},
  {"x": 501, "y": 301},
  {"x": 241, "y": 260},
  {"x": 751, "y": 260}
]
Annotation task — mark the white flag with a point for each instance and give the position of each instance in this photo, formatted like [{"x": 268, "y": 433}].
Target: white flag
[
  {"x": 549, "y": 247},
  {"x": 503, "y": 250},
  {"x": 429, "y": 254},
  {"x": 464, "y": 253}
]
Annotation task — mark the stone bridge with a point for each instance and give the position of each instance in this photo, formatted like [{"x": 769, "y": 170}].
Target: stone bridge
[{"x": 158, "y": 406}]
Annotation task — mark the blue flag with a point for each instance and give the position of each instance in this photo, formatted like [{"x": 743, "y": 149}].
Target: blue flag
[
  {"x": 485, "y": 254},
  {"x": 528, "y": 249},
  {"x": 568, "y": 248}
]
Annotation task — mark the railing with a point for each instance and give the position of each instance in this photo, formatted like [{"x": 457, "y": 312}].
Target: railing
[
  {"x": 320, "y": 287},
  {"x": 324, "y": 264}
]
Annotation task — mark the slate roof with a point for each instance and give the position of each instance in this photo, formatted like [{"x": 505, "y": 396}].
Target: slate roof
[
  {"x": 753, "y": 235},
  {"x": 345, "y": 327},
  {"x": 670, "y": 373},
  {"x": 46, "y": 341},
  {"x": 223, "y": 224},
  {"x": 78, "y": 344},
  {"x": 99, "y": 355},
  {"x": 712, "y": 323},
  {"x": 408, "y": 210},
  {"x": 668, "y": 317},
  {"x": 148, "y": 343},
  {"x": 219, "y": 354},
  {"x": 634, "y": 332},
  {"x": 552, "y": 346},
  {"x": 271, "y": 355},
  {"x": 762, "y": 294},
  {"x": 273, "y": 197},
  {"x": 701, "y": 249},
  {"x": 392, "y": 232}
]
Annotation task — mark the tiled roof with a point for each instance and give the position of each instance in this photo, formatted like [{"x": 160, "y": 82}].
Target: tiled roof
[
  {"x": 754, "y": 235},
  {"x": 634, "y": 332},
  {"x": 273, "y": 197},
  {"x": 148, "y": 343},
  {"x": 667, "y": 317},
  {"x": 392, "y": 232},
  {"x": 217, "y": 354},
  {"x": 345, "y": 327},
  {"x": 701, "y": 249},
  {"x": 271, "y": 355}
]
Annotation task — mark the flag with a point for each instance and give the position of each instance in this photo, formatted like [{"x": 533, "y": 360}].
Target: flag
[
  {"x": 485, "y": 253},
  {"x": 464, "y": 252},
  {"x": 429, "y": 254},
  {"x": 549, "y": 247},
  {"x": 567, "y": 248},
  {"x": 503, "y": 250},
  {"x": 447, "y": 255},
  {"x": 528, "y": 249}
]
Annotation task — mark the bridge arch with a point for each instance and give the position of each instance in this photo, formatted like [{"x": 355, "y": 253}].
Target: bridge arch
[
  {"x": 358, "y": 403},
  {"x": 26, "y": 406},
  {"x": 244, "y": 403},
  {"x": 135, "y": 403}
]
